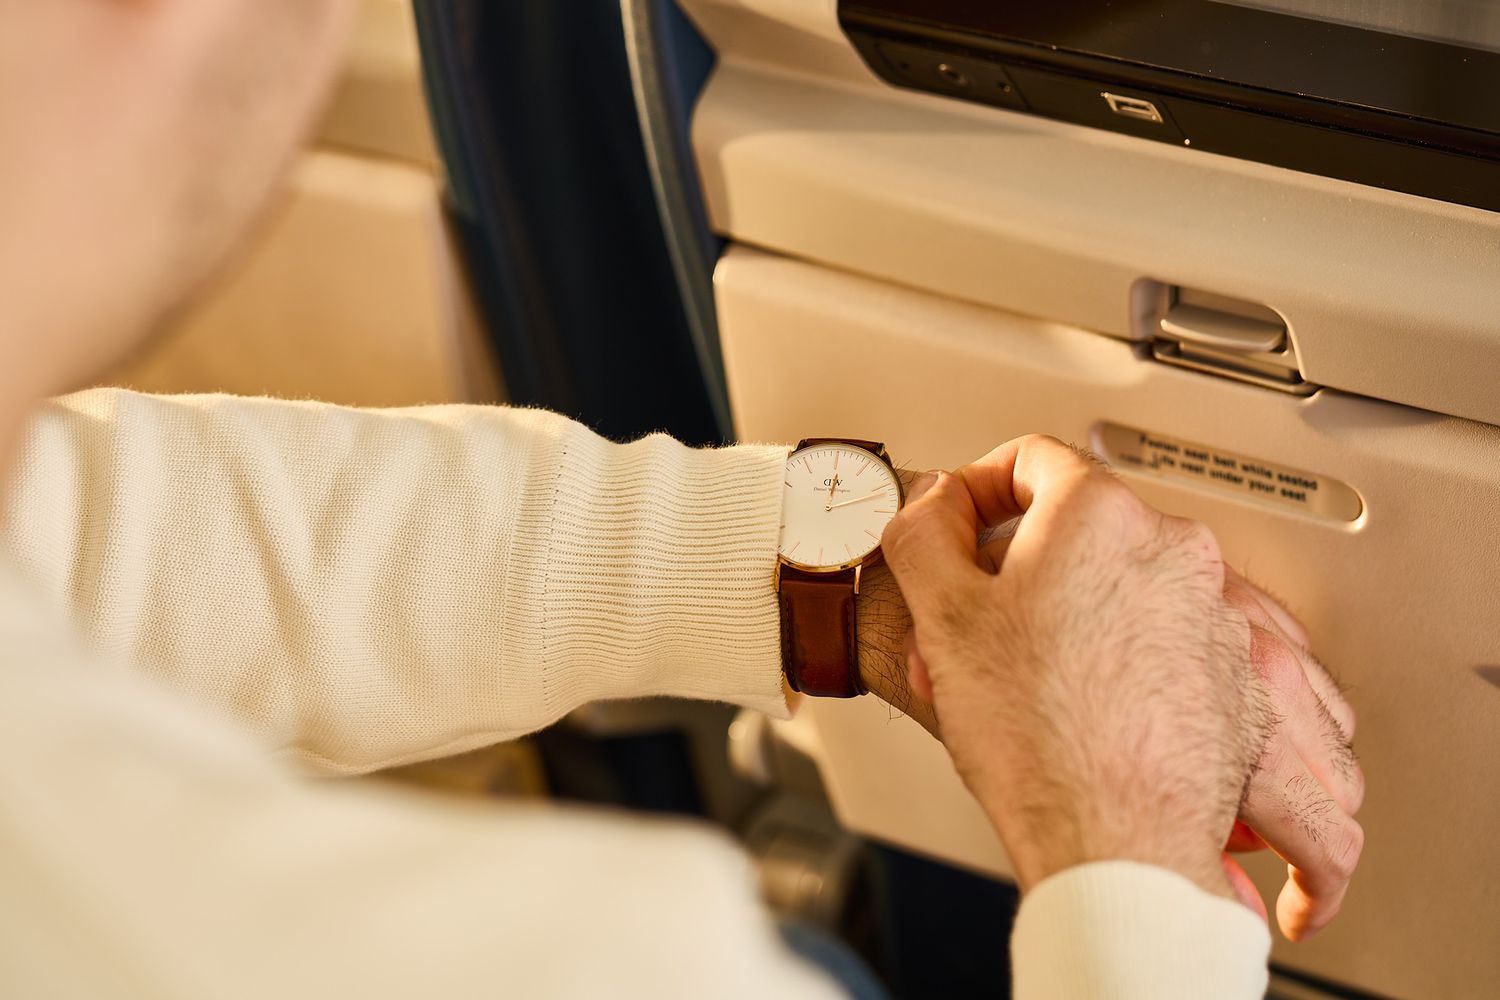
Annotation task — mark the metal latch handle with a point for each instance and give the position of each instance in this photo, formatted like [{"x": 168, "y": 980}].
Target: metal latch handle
[{"x": 1222, "y": 331}]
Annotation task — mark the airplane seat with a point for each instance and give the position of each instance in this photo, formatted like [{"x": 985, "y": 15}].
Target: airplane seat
[{"x": 1300, "y": 352}]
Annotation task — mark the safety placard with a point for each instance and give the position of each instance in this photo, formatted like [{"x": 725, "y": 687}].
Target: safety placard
[{"x": 1227, "y": 472}]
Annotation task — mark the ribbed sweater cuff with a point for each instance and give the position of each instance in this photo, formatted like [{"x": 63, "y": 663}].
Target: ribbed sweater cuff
[
  {"x": 1120, "y": 930},
  {"x": 646, "y": 569}
]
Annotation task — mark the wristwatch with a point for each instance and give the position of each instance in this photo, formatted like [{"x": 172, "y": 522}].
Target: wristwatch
[{"x": 839, "y": 496}]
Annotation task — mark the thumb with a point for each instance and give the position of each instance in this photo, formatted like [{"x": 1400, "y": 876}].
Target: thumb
[{"x": 931, "y": 545}]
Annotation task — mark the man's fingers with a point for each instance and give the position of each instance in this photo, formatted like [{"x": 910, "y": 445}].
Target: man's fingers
[
  {"x": 1306, "y": 722},
  {"x": 1285, "y": 620},
  {"x": 1244, "y": 889},
  {"x": 1308, "y": 785},
  {"x": 1265, "y": 610},
  {"x": 917, "y": 677},
  {"x": 1292, "y": 811},
  {"x": 920, "y": 485},
  {"x": 950, "y": 511},
  {"x": 1327, "y": 689},
  {"x": 994, "y": 543},
  {"x": 931, "y": 547},
  {"x": 1243, "y": 840},
  {"x": 1004, "y": 483}
]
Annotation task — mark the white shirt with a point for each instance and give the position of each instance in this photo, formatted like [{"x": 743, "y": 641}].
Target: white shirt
[{"x": 206, "y": 597}]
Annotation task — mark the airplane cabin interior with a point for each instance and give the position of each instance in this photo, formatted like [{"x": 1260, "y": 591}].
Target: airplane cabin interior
[{"x": 1247, "y": 253}]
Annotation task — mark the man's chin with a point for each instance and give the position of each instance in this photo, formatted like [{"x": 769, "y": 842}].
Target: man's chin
[{"x": 103, "y": 361}]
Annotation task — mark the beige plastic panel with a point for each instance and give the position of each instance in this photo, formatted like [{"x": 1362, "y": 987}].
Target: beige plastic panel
[
  {"x": 379, "y": 106},
  {"x": 1404, "y": 602},
  {"x": 802, "y": 150}
]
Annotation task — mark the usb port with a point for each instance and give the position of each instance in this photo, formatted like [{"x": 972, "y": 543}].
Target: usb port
[{"x": 1132, "y": 107}]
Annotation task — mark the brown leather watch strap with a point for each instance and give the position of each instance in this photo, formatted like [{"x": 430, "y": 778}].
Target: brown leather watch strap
[{"x": 818, "y": 639}]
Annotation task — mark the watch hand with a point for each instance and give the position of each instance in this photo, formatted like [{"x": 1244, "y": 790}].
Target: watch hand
[
  {"x": 846, "y": 503},
  {"x": 833, "y": 484}
]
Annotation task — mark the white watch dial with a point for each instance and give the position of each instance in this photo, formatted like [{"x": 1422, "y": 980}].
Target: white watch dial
[{"x": 838, "y": 500}]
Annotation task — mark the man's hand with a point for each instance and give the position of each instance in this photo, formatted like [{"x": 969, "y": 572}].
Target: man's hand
[{"x": 1096, "y": 680}]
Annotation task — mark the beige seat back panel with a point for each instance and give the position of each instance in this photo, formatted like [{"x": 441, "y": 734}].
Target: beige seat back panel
[
  {"x": 1404, "y": 603},
  {"x": 802, "y": 150}
]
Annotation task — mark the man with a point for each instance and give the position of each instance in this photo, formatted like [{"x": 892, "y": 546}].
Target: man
[{"x": 351, "y": 590}]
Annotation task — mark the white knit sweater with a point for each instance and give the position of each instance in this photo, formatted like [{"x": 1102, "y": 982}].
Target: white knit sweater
[{"x": 194, "y": 581}]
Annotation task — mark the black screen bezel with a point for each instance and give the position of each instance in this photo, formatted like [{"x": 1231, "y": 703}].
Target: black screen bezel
[{"x": 1359, "y": 68}]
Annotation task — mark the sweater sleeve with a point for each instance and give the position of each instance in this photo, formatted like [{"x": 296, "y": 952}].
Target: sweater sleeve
[
  {"x": 365, "y": 588},
  {"x": 1119, "y": 930},
  {"x": 148, "y": 850}
]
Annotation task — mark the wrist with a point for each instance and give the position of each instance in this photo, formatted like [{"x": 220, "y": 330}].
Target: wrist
[
  {"x": 882, "y": 623},
  {"x": 1072, "y": 834}
]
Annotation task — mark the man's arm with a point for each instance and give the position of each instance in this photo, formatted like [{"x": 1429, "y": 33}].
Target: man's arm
[{"x": 367, "y": 588}]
